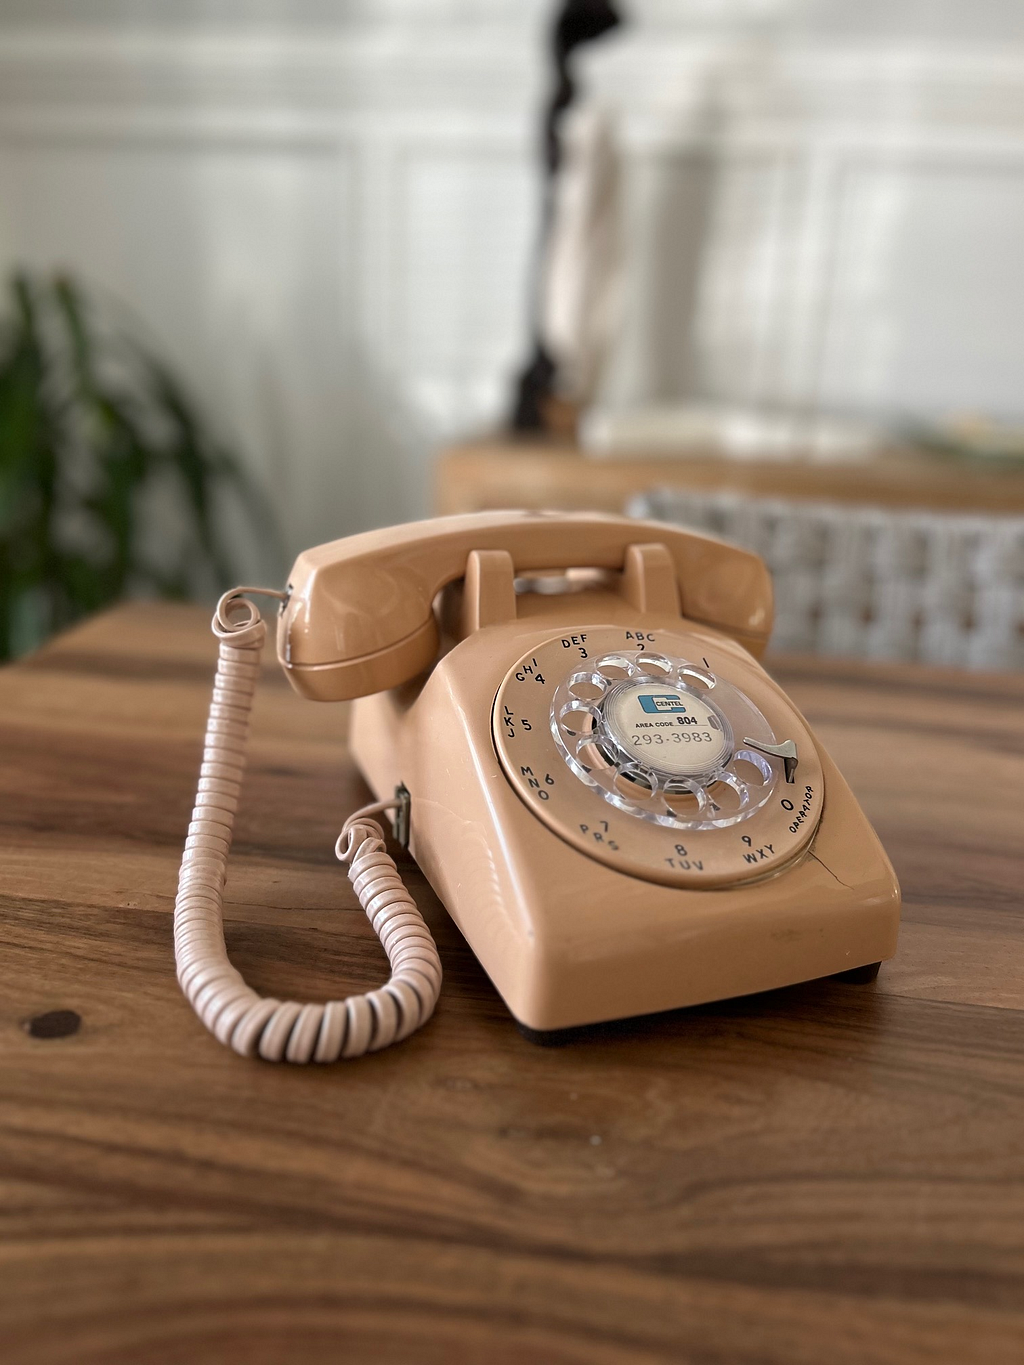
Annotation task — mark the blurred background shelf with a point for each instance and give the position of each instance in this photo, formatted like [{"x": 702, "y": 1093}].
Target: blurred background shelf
[
  {"x": 500, "y": 472},
  {"x": 904, "y": 556}
]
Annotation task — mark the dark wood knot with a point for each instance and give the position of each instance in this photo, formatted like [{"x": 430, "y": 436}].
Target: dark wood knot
[{"x": 53, "y": 1024}]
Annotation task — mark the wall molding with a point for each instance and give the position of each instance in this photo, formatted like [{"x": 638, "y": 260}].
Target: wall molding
[{"x": 484, "y": 82}]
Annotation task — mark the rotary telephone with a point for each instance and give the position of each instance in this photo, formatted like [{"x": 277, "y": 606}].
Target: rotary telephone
[{"x": 619, "y": 808}]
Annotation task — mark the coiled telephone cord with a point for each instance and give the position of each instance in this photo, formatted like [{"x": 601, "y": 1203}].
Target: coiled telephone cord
[{"x": 284, "y": 1030}]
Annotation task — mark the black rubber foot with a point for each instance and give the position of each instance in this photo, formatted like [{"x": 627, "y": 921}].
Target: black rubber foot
[
  {"x": 549, "y": 1037},
  {"x": 859, "y": 976}
]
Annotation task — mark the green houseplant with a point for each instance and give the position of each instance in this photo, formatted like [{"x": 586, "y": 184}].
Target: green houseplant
[{"x": 108, "y": 477}]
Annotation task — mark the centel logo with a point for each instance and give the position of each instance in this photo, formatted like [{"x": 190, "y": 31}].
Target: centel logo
[{"x": 655, "y": 705}]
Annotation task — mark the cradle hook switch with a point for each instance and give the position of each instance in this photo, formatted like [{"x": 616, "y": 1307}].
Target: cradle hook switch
[{"x": 401, "y": 820}]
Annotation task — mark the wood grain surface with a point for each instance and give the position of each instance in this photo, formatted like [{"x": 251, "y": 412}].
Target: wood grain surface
[{"x": 830, "y": 1173}]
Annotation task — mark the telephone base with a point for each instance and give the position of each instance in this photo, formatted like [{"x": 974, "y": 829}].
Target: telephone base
[
  {"x": 569, "y": 939},
  {"x": 564, "y": 1037}
]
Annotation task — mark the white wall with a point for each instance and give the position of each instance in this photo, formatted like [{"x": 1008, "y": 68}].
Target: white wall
[{"x": 324, "y": 212}]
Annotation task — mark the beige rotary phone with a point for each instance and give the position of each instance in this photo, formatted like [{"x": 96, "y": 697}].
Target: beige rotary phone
[{"x": 619, "y": 808}]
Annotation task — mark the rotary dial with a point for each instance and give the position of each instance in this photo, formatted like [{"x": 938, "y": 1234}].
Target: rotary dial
[{"x": 646, "y": 751}]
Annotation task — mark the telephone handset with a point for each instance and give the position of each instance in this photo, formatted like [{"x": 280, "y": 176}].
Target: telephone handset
[{"x": 619, "y": 808}]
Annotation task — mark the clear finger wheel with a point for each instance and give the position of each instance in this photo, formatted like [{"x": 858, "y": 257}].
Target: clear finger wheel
[
  {"x": 656, "y": 736},
  {"x": 648, "y": 752}
]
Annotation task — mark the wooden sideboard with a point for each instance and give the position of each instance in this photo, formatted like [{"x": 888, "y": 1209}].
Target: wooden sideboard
[{"x": 502, "y": 472}]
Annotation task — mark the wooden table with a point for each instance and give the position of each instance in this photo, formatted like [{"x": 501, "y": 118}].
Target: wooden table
[
  {"x": 830, "y": 1173},
  {"x": 484, "y": 475}
]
